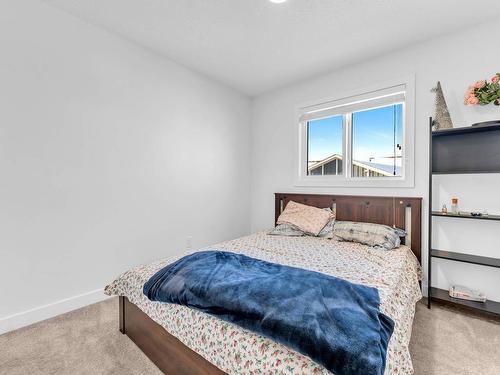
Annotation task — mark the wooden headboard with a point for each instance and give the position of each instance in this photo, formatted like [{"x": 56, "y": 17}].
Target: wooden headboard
[{"x": 380, "y": 210}]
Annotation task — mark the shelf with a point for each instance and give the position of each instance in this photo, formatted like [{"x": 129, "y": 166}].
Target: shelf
[
  {"x": 465, "y": 172},
  {"x": 466, "y": 130},
  {"x": 466, "y": 258},
  {"x": 465, "y": 216},
  {"x": 490, "y": 307},
  {"x": 466, "y": 150}
]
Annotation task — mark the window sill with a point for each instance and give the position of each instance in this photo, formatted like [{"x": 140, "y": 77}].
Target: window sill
[{"x": 376, "y": 182}]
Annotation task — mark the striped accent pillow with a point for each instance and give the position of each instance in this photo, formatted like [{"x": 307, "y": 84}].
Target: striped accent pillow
[{"x": 376, "y": 235}]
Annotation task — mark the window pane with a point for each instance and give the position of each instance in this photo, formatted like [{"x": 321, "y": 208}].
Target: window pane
[
  {"x": 377, "y": 139},
  {"x": 324, "y": 146}
]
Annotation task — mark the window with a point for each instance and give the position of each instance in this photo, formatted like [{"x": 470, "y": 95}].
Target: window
[
  {"x": 364, "y": 140},
  {"x": 377, "y": 142},
  {"x": 324, "y": 145}
]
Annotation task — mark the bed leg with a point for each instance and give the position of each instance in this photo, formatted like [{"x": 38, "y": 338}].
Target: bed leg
[{"x": 121, "y": 308}]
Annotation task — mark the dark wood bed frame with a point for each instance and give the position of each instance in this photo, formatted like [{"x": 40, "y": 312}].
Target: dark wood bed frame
[{"x": 173, "y": 357}]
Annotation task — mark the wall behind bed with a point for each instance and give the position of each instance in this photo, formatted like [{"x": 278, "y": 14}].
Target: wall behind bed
[
  {"x": 456, "y": 60},
  {"x": 110, "y": 157}
]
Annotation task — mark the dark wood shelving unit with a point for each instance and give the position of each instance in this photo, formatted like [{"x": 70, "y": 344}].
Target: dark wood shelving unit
[
  {"x": 466, "y": 258},
  {"x": 472, "y": 149},
  {"x": 466, "y": 216},
  {"x": 466, "y": 130},
  {"x": 467, "y": 150},
  {"x": 465, "y": 172},
  {"x": 489, "y": 307}
]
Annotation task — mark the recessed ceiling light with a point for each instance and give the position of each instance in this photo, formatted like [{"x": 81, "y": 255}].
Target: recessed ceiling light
[{"x": 277, "y": 1}]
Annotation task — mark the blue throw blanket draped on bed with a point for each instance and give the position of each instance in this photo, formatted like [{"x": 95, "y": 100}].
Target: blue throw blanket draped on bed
[{"x": 336, "y": 323}]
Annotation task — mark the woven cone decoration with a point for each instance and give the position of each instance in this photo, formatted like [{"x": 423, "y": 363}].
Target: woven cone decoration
[{"x": 442, "y": 119}]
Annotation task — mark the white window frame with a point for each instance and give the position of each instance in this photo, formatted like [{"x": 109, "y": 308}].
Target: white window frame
[{"x": 379, "y": 95}]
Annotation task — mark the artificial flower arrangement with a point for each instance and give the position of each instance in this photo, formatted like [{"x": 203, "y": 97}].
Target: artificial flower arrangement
[{"x": 483, "y": 92}]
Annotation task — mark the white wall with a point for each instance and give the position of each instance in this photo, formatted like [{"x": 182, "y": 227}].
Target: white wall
[
  {"x": 457, "y": 61},
  {"x": 110, "y": 156}
]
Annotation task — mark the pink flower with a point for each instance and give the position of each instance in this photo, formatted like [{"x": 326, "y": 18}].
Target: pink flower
[
  {"x": 495, "y": 78},
  {"x": 472, "y": 100},
  {"x": 480, "y": 84},
  {"x": 470, "y": 96}
]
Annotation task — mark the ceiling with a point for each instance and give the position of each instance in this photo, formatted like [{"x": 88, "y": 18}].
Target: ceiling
[{"x": 255, "y": 45}]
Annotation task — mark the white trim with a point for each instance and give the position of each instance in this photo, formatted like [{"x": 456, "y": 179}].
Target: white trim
[
  {"x": 408, "y": 167},
  {"x": 37, "y": 314},
  {"x": 377, "y": 99}
]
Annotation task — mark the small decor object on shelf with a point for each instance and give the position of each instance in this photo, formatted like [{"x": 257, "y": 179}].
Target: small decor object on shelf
[
  {"x": 454, "y": 206},
  {"x": 444, "y": 210},
  {"x": 462, "y": 292},
  {"x": 483, "y": 92},
  {"x": 442, "y": 119}
]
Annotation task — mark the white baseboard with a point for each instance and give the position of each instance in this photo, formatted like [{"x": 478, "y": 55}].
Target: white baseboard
[{"x": 24, "y": 318}]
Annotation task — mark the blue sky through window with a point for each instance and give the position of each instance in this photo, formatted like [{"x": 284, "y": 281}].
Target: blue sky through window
[
  {"x": 325, "y": 138},
  {"x": 374, "y": 139}
]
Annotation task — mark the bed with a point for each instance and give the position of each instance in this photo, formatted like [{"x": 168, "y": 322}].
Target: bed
[{"x": 180, "y": 340}]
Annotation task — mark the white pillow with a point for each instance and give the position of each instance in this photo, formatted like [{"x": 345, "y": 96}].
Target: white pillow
[{"x": 307, "y": 218}]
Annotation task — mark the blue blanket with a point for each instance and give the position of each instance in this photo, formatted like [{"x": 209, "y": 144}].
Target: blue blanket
[{"x": 336, "y": 323}]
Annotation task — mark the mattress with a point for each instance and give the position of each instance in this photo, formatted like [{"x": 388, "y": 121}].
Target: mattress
[{"x": 396, "y": 274}]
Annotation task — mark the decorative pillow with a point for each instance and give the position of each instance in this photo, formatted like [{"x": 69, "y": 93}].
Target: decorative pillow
[
  {"x": 400, "y": 232},
  {"x": 306, "y": 218},
  {"x": 292, "y": 231},
  {"x": 376, "y": 235},
  {"x": 286, "y": 230},
  {"x": 327, "y": 231}
]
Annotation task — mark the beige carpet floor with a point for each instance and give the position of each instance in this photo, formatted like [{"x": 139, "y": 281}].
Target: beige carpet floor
[{"x": 87, "y": 341}]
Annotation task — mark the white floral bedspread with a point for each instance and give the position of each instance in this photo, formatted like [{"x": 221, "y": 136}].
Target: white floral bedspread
[{"x": 238, "y": 351}]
